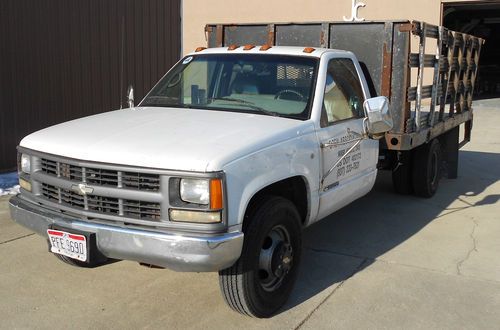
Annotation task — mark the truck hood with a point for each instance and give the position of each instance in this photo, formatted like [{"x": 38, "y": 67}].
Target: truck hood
[{"x": 165, "y": 138}]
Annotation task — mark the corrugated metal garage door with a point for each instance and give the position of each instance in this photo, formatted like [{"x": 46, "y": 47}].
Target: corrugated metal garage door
[{"x": 63, "y": 59}]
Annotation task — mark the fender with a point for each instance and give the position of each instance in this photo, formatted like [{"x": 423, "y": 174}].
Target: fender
[{"x": 250, "y": 174}]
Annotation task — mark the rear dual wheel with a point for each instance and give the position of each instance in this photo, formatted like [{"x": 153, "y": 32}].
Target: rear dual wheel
[
  {"x": 402, "y": 175},
  {"x": 427, "y": 169},
  {"x": 419, "y": 171},
  {"x": 261, "y": 281}
]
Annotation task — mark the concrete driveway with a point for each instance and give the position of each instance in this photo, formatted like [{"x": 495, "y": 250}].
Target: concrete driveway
[{"x": 386, "y": 261}]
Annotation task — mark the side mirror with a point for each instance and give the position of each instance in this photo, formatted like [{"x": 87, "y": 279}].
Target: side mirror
[
  {"x": 379, "y": 117},
  {"x": 130, "y": 96}
]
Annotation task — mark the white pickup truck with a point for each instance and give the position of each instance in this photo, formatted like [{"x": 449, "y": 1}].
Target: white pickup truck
[{"x": 238, "y": 148}]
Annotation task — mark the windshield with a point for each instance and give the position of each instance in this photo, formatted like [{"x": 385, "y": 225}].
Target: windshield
[{"x": 264, "y": 84}]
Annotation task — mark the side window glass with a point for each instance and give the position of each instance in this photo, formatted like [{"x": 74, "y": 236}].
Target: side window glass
[{"x": 343, "y": 93}]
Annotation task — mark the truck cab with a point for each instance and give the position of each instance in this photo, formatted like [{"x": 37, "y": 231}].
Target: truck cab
[{"x": 320, "y": 92}]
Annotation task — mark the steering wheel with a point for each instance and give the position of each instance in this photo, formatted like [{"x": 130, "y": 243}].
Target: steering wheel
[{"x": 295, "y": 96}]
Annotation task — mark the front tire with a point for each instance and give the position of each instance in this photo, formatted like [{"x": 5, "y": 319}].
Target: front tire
[{"x": 261, "y": 281}]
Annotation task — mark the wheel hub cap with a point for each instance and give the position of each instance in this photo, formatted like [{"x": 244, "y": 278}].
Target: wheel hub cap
[{"x": 276, "y": 258}]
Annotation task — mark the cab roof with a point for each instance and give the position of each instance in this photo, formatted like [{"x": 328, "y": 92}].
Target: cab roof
[{"x": 275, "y": 50}]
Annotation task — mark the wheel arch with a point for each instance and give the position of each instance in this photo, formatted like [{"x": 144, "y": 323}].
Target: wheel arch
[{"x": 296, "y": 189}]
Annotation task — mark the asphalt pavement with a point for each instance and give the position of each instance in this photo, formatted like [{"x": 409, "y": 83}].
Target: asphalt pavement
[{"x": 386, "y": 261}]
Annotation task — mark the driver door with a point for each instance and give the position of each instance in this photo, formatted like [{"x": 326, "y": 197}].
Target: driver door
[{"x": 344, "y": 178}]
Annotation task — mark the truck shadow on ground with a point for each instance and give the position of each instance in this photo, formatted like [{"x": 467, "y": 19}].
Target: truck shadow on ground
[{"x": 351, "y": 239}]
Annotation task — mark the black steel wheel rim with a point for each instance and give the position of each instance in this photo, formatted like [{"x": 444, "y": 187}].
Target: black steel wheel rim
[{"x": 275, "y": 259}]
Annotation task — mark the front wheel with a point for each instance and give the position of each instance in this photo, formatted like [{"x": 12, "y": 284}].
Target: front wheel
[{"x": 261, "y": 281}]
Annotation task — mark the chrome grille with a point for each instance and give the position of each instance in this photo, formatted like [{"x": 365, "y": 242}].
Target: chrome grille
[
  {"x": 104, "y": 205},
  {"x": 49, "y": 166},
  {"x": 101, "y": 177},
  {"x": 141, "y": 181},
  {"x": 141, "y": 210},
  {"x": 63, "y": 196}
]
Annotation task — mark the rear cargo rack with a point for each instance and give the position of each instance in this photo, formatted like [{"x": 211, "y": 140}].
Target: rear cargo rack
[{"x": 394, "y": 67}]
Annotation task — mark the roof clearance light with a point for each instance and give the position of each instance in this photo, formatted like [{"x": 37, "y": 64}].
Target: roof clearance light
[
  {"x": 232, "y": 47},
  {"x": 265, "y": 47},
  {"x": 199, "y": 49},
  {"x": 248, "y": 47},
  {"x": 308, "y": 50}
]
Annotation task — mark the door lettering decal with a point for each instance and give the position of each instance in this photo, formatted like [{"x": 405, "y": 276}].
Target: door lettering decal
[{"x": 349, "y": 163}]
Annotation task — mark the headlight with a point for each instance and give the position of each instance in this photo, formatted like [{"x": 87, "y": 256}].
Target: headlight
[
  {"x": 25, "y": 164},
  {"x": 195, "y": 191},
  {"x": 204, "y": 195}
]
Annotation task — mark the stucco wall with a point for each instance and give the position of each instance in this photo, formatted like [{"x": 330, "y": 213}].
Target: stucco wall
[{"x": 198, "y": 13}]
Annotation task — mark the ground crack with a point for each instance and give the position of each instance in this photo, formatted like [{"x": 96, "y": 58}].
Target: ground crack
[
  {"x": 337, "y": 253},
  {"x": 360, "y": 266},
  {"x": 473, "y": 249},
  {"x": 15, "y": 239}
]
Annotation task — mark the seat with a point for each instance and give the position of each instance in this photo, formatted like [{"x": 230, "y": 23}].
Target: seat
[{"x": 245, "y": 84}]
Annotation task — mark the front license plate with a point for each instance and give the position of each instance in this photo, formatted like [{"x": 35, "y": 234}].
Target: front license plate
[{"x": 68, "y": 244}]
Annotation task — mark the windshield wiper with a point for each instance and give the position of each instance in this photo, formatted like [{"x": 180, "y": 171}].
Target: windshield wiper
[
  {"x": 244, "y": 103},
  {"x": 156, "y": 101},
  {"x": 228, "y": 99},
  {"x": 159, "y": 100}
]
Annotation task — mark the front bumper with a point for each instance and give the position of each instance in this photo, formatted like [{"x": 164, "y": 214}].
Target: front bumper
[{"x": 177, "y": 252}]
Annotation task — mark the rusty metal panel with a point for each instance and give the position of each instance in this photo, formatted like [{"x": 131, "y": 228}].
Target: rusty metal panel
[
  {"x": 408, "y": 141},
  {"x": 387, "y": 60},
  {"x": 307, "y": 35},
  {"x": 400, "y": 79},
  {"x": 366, "y": 40},
  {"x": 211, "y": 35},
  {"x": 62, "y": 59},
  {"x": 219, "y": 35},
  {"x": 245, "y": 34},
  {"x": 272, "y": 34}
]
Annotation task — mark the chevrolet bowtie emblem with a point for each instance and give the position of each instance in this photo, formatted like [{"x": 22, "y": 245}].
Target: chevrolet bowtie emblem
[{"x": 82, "y": 189}]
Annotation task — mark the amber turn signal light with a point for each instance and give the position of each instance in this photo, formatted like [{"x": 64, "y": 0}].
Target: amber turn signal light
[{"x": 216, "y": 202}]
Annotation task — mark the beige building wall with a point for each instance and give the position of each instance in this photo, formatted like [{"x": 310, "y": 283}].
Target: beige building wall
[{"x": 198, "y": 13}]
